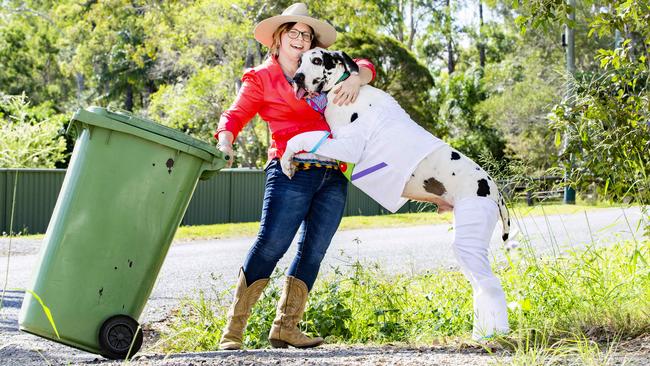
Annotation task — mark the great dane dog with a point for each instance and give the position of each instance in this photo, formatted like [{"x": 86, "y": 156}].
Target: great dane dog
[{"x": 392, "y": 159}]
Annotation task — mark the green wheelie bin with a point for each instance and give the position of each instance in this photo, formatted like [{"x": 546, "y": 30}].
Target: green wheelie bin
[{"x": 125, "y": 192}]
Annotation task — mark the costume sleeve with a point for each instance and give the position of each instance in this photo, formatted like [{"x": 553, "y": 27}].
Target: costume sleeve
[
  {"x": 362, "y": 62},
  {"x": 306, "y": 141},
  {"x": 245, "y": 106},
  {"x": 318, "y": 142}
]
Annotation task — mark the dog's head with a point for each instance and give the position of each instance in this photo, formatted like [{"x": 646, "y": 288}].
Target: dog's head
[{"x": 320, "y": 69}]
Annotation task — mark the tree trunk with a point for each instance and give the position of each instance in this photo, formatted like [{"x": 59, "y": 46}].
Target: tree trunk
[
  {"x": 128, "y": 102},
  {"x": 411, "y": 27},
  {"x": 451, "y": 65},
  {"x": 79, "y": 78},
  {"x": 481, "y": 44}
]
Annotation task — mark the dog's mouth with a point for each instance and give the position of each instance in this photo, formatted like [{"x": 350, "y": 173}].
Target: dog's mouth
[{"x": 301, "y": 92}]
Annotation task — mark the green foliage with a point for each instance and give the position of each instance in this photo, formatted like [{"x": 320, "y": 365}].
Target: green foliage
[
  {"x": 598, "y": 293},
  {"x": 607, "y": 136},
  {"x": 347, "y": 16},
  {"x": 399, "y": 73},
  {"x": 373, "y": 306},
  {"x": 180, "y": 63},
  {"x": 531, "y": 82},
  {"x": 30, "y": 137},
  {"x": 193, "y": 106},
  {"x": 202, "y": 61},
  {"x": 28, "y": 56},
  {"x": 197, "y": 324},
  {"x": 604, "y": 118},
  {"x": 469, "y": 131}
]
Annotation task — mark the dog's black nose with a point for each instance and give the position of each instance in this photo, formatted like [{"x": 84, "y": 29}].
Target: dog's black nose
[{"x": 299, "y": 79}]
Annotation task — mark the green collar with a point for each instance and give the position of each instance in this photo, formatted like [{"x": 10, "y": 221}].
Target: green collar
[{"x": 343, "y": 77}]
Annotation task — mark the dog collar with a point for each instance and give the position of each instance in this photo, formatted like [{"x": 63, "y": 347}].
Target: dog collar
[{"x": 343, "y": 77}]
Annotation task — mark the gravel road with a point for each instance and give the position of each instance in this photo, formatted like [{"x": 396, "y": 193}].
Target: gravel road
[{"x": 189, "y": 266}]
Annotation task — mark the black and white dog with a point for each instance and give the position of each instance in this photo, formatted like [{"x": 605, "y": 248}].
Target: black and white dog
[{"x": 393, "y": 159}]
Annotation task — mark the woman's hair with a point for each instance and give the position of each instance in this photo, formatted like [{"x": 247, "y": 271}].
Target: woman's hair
[{"x": 275, "y": 46}]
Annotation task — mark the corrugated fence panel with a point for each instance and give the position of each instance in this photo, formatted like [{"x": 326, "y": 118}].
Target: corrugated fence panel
[
  {"x": 3, "y": 200},
  {"x": 233, "y": 195},
  {"x": 210, "y": 203},
  {"x": 359, "y": 204},
  {"x": 247, "y": 193},
  {"x": 36, "y": 194}
]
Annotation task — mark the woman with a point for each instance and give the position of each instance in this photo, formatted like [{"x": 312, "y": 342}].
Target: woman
[{"x": 313, "y": 200}]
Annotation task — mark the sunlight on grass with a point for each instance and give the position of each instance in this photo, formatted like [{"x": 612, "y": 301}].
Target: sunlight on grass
[
  {"x": 249, "y": 229},
  {"x": 224, "y": 231}
]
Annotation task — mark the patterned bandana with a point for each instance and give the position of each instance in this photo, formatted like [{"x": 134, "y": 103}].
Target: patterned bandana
[{"x": 318, "y": 103}]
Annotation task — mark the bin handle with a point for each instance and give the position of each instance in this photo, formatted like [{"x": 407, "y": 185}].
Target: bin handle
[
  {"x": 71, "y": 127},
  {"x": 210, "y": 168},
  {"x": 120, "y": 111}
]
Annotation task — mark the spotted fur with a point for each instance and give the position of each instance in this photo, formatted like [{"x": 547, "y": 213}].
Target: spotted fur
[{"x": 443, "y": 177}]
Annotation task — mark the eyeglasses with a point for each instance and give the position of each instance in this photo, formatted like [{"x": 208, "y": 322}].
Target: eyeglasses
[{"x": 306, "y": 36}]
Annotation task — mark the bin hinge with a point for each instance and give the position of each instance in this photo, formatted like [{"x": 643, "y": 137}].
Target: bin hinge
[{"x": 90, "y": 130}]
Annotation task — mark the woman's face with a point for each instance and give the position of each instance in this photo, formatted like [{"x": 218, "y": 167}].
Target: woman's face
[{"x": 294, "y": 47}]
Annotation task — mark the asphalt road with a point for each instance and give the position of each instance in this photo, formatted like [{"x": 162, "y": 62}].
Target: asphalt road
[{"x": 191, "y": 266}]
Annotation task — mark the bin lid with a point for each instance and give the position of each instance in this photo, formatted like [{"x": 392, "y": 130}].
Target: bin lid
[{"x": 153, "y": 127}]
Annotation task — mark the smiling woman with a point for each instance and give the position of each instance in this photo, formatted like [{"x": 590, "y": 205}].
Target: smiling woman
[
  {"x": 294, "y": 38},
  {"x": 314, "y": 200}
]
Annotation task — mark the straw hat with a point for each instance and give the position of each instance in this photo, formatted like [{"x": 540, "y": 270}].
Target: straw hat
[{"x": 325, "y": 33}]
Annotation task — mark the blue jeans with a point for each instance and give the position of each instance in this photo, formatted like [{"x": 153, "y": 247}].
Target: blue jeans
[{"x": 313, "y": 201}]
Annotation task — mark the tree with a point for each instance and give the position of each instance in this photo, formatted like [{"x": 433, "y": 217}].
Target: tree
[
  {"x": 469, "y": 131},
  {"x": 604, "y": 116},
  {"x": 399, "y": 73},
  {"x": 203, "y": 62},
  {"x": 105, "y": 49},
  {"x": 521, "y": 91},
  {"x": 28, "y": 54},
  {"x": 30, "y": 137}
]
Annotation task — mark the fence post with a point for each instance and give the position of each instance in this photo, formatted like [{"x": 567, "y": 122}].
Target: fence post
[
  {"x": 570, "y": 193},
  {"x": 3, "y": 200}
]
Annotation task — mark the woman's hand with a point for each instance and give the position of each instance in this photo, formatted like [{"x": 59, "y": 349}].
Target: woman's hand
[
  {"x": 228, "y": 152},
  {"x": 225, "y": 146},
  {"x": 443, "y": 206},
  {"x": 348, "y": 90}
]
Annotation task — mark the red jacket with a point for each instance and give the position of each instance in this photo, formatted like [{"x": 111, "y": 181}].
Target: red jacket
[{"x": 265, "y": 90}]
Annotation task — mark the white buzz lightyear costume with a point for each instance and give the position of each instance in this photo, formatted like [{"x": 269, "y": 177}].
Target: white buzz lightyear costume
[{"x": 381, "y": 148}]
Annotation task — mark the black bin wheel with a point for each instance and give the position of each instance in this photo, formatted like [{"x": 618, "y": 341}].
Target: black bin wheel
[{"x": 116, "y": 336}]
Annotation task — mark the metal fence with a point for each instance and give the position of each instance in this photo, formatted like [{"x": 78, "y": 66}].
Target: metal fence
[{"x": 233, "y": 195}]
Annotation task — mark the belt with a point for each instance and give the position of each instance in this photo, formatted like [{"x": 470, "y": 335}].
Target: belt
[{"x": 308, "y": 165}]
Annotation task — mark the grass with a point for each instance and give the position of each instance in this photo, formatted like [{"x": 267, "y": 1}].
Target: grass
[
  {"x": 249, "y": 229},
  {"x": 224, "y": 231},
  {"x": 568, "y": 308}
]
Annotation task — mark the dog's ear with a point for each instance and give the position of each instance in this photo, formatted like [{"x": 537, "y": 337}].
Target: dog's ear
[
  {"x": 350, "y": 65},
  {"x": 329, "y": 60}
]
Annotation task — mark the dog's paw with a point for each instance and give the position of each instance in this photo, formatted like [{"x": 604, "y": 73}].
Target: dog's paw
[
  {"x": 512, "y": 245},
  {"x": 287, "y": 168}
]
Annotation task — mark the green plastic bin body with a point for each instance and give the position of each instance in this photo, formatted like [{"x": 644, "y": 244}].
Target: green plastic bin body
[{"x": 124, "y": 195}]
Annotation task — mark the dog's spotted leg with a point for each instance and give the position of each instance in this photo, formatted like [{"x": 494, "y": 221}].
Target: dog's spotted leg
[{"x": 483, "y": 188}]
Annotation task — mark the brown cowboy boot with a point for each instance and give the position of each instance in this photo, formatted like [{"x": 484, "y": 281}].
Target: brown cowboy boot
[
  {"x": 285, "y": 331},
  {"x": 240, "y": 310}
]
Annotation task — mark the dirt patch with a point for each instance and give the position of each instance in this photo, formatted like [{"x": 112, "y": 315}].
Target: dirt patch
[{"x": 325, "y": 355}]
